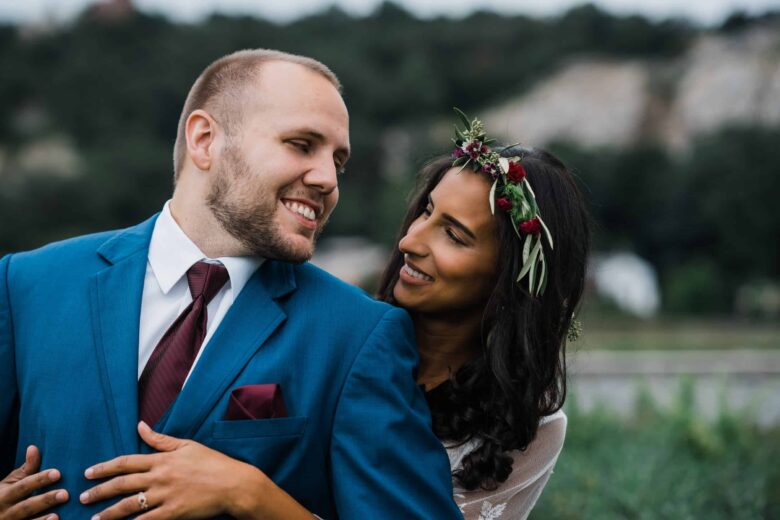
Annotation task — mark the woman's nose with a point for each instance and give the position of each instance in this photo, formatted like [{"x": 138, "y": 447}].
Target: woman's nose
[{"x": 413, "y": 242}]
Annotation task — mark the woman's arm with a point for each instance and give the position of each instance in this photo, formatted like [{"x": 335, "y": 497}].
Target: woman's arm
[
  {"x": 531, "y": 470},
  {"x": 186, "y": 479}
]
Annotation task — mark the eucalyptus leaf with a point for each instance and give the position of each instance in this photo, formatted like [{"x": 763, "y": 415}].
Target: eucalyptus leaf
[
  {"x": 528, "y": 185},
  {"x": 532, "y": 276},
  {"x": 527, "y": 248},
  {"x": 542, "y": 276},
  {"x": 531, "y": 260},
  {"x": 492, "y": 197},
  {"x": 504, "y": 163},
  {"x": 463, "y": 118},
  {"x": 546, "y": 231},
  {"x": 514, "y": 226}
]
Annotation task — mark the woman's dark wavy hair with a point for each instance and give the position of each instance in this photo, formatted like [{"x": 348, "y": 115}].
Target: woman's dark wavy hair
[{"x": 520, "y": 375}]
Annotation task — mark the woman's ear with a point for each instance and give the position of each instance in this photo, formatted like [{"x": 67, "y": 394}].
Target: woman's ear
[{"x": 201, "y": 131}]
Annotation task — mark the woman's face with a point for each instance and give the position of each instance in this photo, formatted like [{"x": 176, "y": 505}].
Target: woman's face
[{"x": 451, "y": 249}]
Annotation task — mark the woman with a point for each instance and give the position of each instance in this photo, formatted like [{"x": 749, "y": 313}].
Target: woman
[
  {"x": 491, "y": 352},
  {"x": 491, "y": 267}
]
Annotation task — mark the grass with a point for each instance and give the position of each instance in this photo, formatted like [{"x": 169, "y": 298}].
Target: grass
[{"x": 664, "y": 464}]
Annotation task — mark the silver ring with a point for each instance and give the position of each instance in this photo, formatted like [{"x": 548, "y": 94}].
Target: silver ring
[{"x": 142, "y": 501}]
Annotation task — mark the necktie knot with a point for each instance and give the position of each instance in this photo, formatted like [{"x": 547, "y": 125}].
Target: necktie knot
[{"x": 206, "y": 280}]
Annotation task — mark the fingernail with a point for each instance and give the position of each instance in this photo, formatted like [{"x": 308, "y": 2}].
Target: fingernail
[
  {"x": 96, "y": 517},
  {"x": 89, "y": 472},
  {"x": 53, "y": 474},
  {"x": 51, "y": 517},
  {"x": 83, "y": 497},
  {"x": 61, "y": 496}
]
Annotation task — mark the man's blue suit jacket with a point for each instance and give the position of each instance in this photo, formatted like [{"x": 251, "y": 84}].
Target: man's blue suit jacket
[{"x": 356, "y": 444}]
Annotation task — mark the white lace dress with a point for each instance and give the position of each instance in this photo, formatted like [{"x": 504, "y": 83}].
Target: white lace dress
[{"x": 531, "y": 469}]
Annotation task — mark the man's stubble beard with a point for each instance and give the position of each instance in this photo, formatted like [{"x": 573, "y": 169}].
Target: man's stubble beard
[{"x": 251, "y": 223}]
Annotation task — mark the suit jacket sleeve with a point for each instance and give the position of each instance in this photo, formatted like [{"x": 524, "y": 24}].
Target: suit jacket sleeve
[
  {"x": 8, "y": 393},
  {"x": 385, "y": 460}
]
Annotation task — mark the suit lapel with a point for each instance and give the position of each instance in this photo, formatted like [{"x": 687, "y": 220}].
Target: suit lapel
[
  {"x": 115, "y": 294},
  {"x": 252, "y": 318}
]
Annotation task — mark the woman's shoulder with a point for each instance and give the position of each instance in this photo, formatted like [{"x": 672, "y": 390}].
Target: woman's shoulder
[{"x": 531, "y": 468}]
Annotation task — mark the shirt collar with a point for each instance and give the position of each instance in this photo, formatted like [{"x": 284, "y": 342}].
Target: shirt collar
[{"x": 172, "y": 253}]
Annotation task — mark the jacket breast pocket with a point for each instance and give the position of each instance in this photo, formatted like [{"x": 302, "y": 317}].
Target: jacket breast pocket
[
  {"x": 248, "y": 428},
  {"x": 264, "y": 443}
]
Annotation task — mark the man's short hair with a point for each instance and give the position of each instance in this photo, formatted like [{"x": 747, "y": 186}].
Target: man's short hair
[{"x": 219, "y": 90}]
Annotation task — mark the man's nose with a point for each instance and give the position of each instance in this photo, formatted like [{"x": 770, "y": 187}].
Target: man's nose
[{"x": 322, "y": 176}]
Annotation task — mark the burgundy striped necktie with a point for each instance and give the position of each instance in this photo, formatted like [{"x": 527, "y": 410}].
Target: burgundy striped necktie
[{"x": 167, "y": 368}]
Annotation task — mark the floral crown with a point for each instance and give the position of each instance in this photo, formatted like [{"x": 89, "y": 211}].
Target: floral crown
[{"x": 511, "y": 192}]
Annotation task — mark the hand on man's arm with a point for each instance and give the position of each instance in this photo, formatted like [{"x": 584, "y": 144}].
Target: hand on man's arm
[
  {"x": 16, "y": 502},
  {"x": 186, "y": 479}
]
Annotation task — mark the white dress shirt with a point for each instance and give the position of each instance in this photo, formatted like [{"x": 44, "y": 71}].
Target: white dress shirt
[{"x": 167, "y": 293}]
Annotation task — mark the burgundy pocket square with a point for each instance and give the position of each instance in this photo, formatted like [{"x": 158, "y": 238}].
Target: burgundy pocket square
[{"x": 256, "y": 402}]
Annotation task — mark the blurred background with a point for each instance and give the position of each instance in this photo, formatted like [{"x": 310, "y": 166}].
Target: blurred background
[{"x": 669, "y": 113}]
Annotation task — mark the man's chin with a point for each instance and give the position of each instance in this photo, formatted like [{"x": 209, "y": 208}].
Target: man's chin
[{"x": 296, "y": 249}]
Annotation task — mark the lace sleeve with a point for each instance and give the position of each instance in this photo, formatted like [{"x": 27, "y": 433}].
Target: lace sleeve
[{"x": 531, "y": 469}]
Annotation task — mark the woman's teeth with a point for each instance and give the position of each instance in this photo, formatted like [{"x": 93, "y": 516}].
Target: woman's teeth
[
  {"x": 417, "y": 274},
  {"x": 301, "y": 209}
]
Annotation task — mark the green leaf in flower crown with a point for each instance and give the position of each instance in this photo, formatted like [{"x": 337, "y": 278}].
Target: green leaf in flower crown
[
  {"x": 527, "y": 265},
  {"x": 529, "y": 197},
  {"x": 543, "y": 276},
  {"x": 514, "y": 226},
  {"x": 460, "y": 136},
  {"x": 463, "y": 118},
  {"x": 546, "y": 231},
  {"x": 492, "y": 197},
  {"x": 460, "y": 161},
  {"x": 489, "y": 141},
  {"x": 527, "y": 247}
]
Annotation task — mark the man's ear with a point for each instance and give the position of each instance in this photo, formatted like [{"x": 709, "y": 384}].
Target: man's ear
[{"x": 201, "y": 131}]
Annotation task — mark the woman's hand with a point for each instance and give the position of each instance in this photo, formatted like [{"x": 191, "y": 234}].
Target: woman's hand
[
  {"x": 184, "y": 480},
  {"x": 16, "y": 488}
]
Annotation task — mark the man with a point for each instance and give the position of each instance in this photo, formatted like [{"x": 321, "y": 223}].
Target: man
[{"x": 197, "y": 322}]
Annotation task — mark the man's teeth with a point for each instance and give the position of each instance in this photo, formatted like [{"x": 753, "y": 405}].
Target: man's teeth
[
  {"x": 417, "y": 274},
  {"x": 301, "y": 209}
]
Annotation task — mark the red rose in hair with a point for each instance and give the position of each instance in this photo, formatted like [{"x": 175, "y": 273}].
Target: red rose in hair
[
  {"x": 504, "y": 203},
  {"x": 516, "y": 172},
  {"x": 530, "y": 227}
]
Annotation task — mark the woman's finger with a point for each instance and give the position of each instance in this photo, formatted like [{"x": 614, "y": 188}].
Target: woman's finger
[
  {"x": 120, "y": 466},
  {"x": 32, "y": 460},
  {"x": 120, "y": 485},
  {"x": 128, "y": 506},
  {"x": 18, "y": 491},
  {"x": 37, "y": 504},
  {"x": 158, "y": 441}
]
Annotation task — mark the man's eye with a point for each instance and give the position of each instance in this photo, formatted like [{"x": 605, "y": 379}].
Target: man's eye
[{"x": 303, "y": 146}]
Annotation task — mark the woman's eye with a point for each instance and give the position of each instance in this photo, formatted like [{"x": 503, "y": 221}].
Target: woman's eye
[{"x": 455, "y": 238}]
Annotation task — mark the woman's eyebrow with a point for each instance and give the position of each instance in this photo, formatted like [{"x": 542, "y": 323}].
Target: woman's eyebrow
[{"x": 455, "y": 222}]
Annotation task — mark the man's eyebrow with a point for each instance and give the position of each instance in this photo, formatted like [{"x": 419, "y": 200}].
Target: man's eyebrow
[
  {"x": 455, "y": 222},
  {"x": 343, "y": 153}
]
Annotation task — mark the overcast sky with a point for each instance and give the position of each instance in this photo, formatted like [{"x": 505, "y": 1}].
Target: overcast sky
[{"x": 702, "y": 11}]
